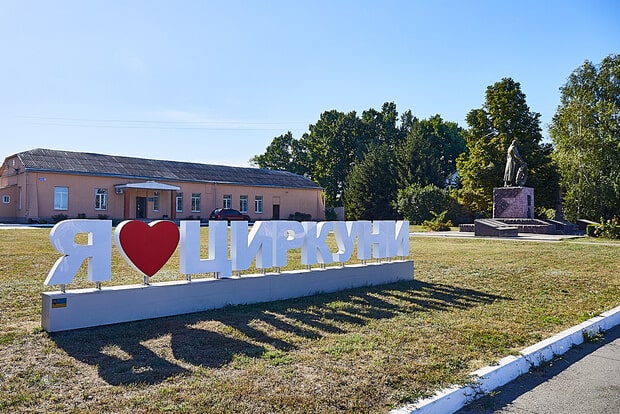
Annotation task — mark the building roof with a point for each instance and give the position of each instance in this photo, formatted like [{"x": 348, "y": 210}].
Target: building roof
[{"x": 47, "y": 160}]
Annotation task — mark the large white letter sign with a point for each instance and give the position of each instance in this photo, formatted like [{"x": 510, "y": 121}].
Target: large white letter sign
[
  {"x": 373, "y": 239},
  {"x": 218, "y": 261},
  {"x": 399, "y": 244},
  {"x": 315, "y": 248},
  {"x": 148, "y": 247},
  {"x": 345, "y": 233},
  {"x": 97, "y": 251},
  {"x": 287, "y": 235},
  {"x": 244, "y": 247}
]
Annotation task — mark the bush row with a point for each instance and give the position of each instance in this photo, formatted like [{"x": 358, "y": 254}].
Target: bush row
[{"x": 609, "y": 229}]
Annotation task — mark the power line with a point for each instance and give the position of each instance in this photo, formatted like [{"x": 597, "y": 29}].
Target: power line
[{"x": 150, "y": 124}]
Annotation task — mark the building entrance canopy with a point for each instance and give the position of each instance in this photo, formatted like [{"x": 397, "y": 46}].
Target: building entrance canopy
[{"x": 148, "y": 185}]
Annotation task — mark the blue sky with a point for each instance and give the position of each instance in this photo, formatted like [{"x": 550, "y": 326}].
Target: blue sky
[{"x": 216, "y": 81}]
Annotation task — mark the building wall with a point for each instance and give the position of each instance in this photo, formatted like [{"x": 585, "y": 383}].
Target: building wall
[
  {"x": 32, "y": 198},
  {"x": 11, "y": 182}
]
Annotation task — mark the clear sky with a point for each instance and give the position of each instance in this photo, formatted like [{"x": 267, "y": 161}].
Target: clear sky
[{"x": 216, "y": 81}]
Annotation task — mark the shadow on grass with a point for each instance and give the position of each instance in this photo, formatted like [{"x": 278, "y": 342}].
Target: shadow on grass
[{"x": 139, "y": 352}]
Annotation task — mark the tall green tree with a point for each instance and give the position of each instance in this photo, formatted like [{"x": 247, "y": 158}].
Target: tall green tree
[
  {"x": 331, "y": 149},
  {"x": 427, "y": 154},
  {"x": 416, "y": 164},
  {"x": 447, "y": 142},
  {"x": 422, "y": 152},
  {"x": 381, "y": 127},
  {"x": 586, "y": 133},
  {"x": 371, "y": 186},
  {"x": 505, "y": 116},
  {"x": 283, "y": 153}
]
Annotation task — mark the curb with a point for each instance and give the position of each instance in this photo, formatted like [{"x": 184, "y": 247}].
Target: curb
[{"x": 508, "y": 369}]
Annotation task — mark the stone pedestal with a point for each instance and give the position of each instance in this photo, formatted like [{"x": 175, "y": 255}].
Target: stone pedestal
[{"x": 513, "y": 202}]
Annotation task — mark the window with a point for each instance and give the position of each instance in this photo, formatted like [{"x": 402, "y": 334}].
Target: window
[
  {"x": 179, "y": 202},
  {"x": 61, "y": 198},
  {"x": 155, "y": 200},
  {"x": 6, "y": 199},
  {"x": 243, "y": 204},
  {"x": 258, "y": 204},
  {"x": 195, "y": 202},
  {"x": 101, "y": 198},
  {"x": 227, "y": 201}
]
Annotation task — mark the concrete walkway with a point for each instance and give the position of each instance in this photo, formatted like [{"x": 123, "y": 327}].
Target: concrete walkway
[
  {"x": 584, "y": 380},
  {"x": 25, "y": 226},
  {"x": 520, "y": 237},
  {"x": 562, "y": 374}
]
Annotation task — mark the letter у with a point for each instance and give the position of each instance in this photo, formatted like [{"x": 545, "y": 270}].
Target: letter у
[{"x": 345, "y": 233}]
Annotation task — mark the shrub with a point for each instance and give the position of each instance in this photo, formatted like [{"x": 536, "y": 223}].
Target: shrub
[
  {"x": 300, "y": 216},
  {"x": 546, "y": 213},
  {"x": 457, "y": 213},
  {"x": 330, "y": 214},
  {"x": 415, "y": 202},
  {"x": 438, "y": 222},
  {"x": 609, "y": 229},
  {"x": 59, "y": 217}
]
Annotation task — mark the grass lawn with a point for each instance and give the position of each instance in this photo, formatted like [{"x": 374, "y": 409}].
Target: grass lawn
[{"x": 472, "y": 302}]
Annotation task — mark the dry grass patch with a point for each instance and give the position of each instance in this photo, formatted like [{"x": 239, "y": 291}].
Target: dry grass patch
[{"x": 363, "y": 350}]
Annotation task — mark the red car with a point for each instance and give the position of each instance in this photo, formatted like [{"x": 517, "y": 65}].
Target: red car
[{"x": 228, "y": 214}]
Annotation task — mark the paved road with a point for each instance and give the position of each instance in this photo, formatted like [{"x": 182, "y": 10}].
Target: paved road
[{"x": 585, "y": 380}]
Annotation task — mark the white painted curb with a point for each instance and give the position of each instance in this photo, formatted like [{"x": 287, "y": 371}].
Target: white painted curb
[{"x": 489, "y": 378}]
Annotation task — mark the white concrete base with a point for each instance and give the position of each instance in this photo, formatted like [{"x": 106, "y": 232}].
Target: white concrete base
[
  {"x": 490, "y": 378},
  {"x": 93, "y": 307}
]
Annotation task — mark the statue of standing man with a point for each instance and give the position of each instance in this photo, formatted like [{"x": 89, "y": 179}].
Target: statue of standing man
[{"x": 515, "y": 173}]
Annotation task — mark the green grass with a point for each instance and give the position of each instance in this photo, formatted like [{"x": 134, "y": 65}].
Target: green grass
[{"x": 364, "y": 350}]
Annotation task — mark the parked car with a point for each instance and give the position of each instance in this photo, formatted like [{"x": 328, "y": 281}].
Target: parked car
[{"x": 228, "y": 214}]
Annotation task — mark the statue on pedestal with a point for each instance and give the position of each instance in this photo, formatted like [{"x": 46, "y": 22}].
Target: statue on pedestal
[{"x": 515, "y": 173}]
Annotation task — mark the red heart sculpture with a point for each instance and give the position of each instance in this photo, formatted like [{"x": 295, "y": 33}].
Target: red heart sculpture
[{"x": 147, "y": 247}]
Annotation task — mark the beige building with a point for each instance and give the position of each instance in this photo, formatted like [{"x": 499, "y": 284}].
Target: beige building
[{"x": 42, "y": 185}]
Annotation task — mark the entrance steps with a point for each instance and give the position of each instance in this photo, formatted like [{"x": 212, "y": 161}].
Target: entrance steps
[{"x": 494, "y": 228}]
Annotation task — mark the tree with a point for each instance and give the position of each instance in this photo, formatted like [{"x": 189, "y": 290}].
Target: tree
[
  {"x": 381, "y": 127},
  {"x": 428, "y": 153},
  {"x": 371, "y": 186},
  {"x": 415, "y": 160},
  {"x": 447, "y": 143},
  {"x": 586, "y": 133},
  {"x": 284, "y": 153},
  {"x": 331, "y": 150},
  {"x": 504, "y": 116},
  {"x": 425, "y": 150}
]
